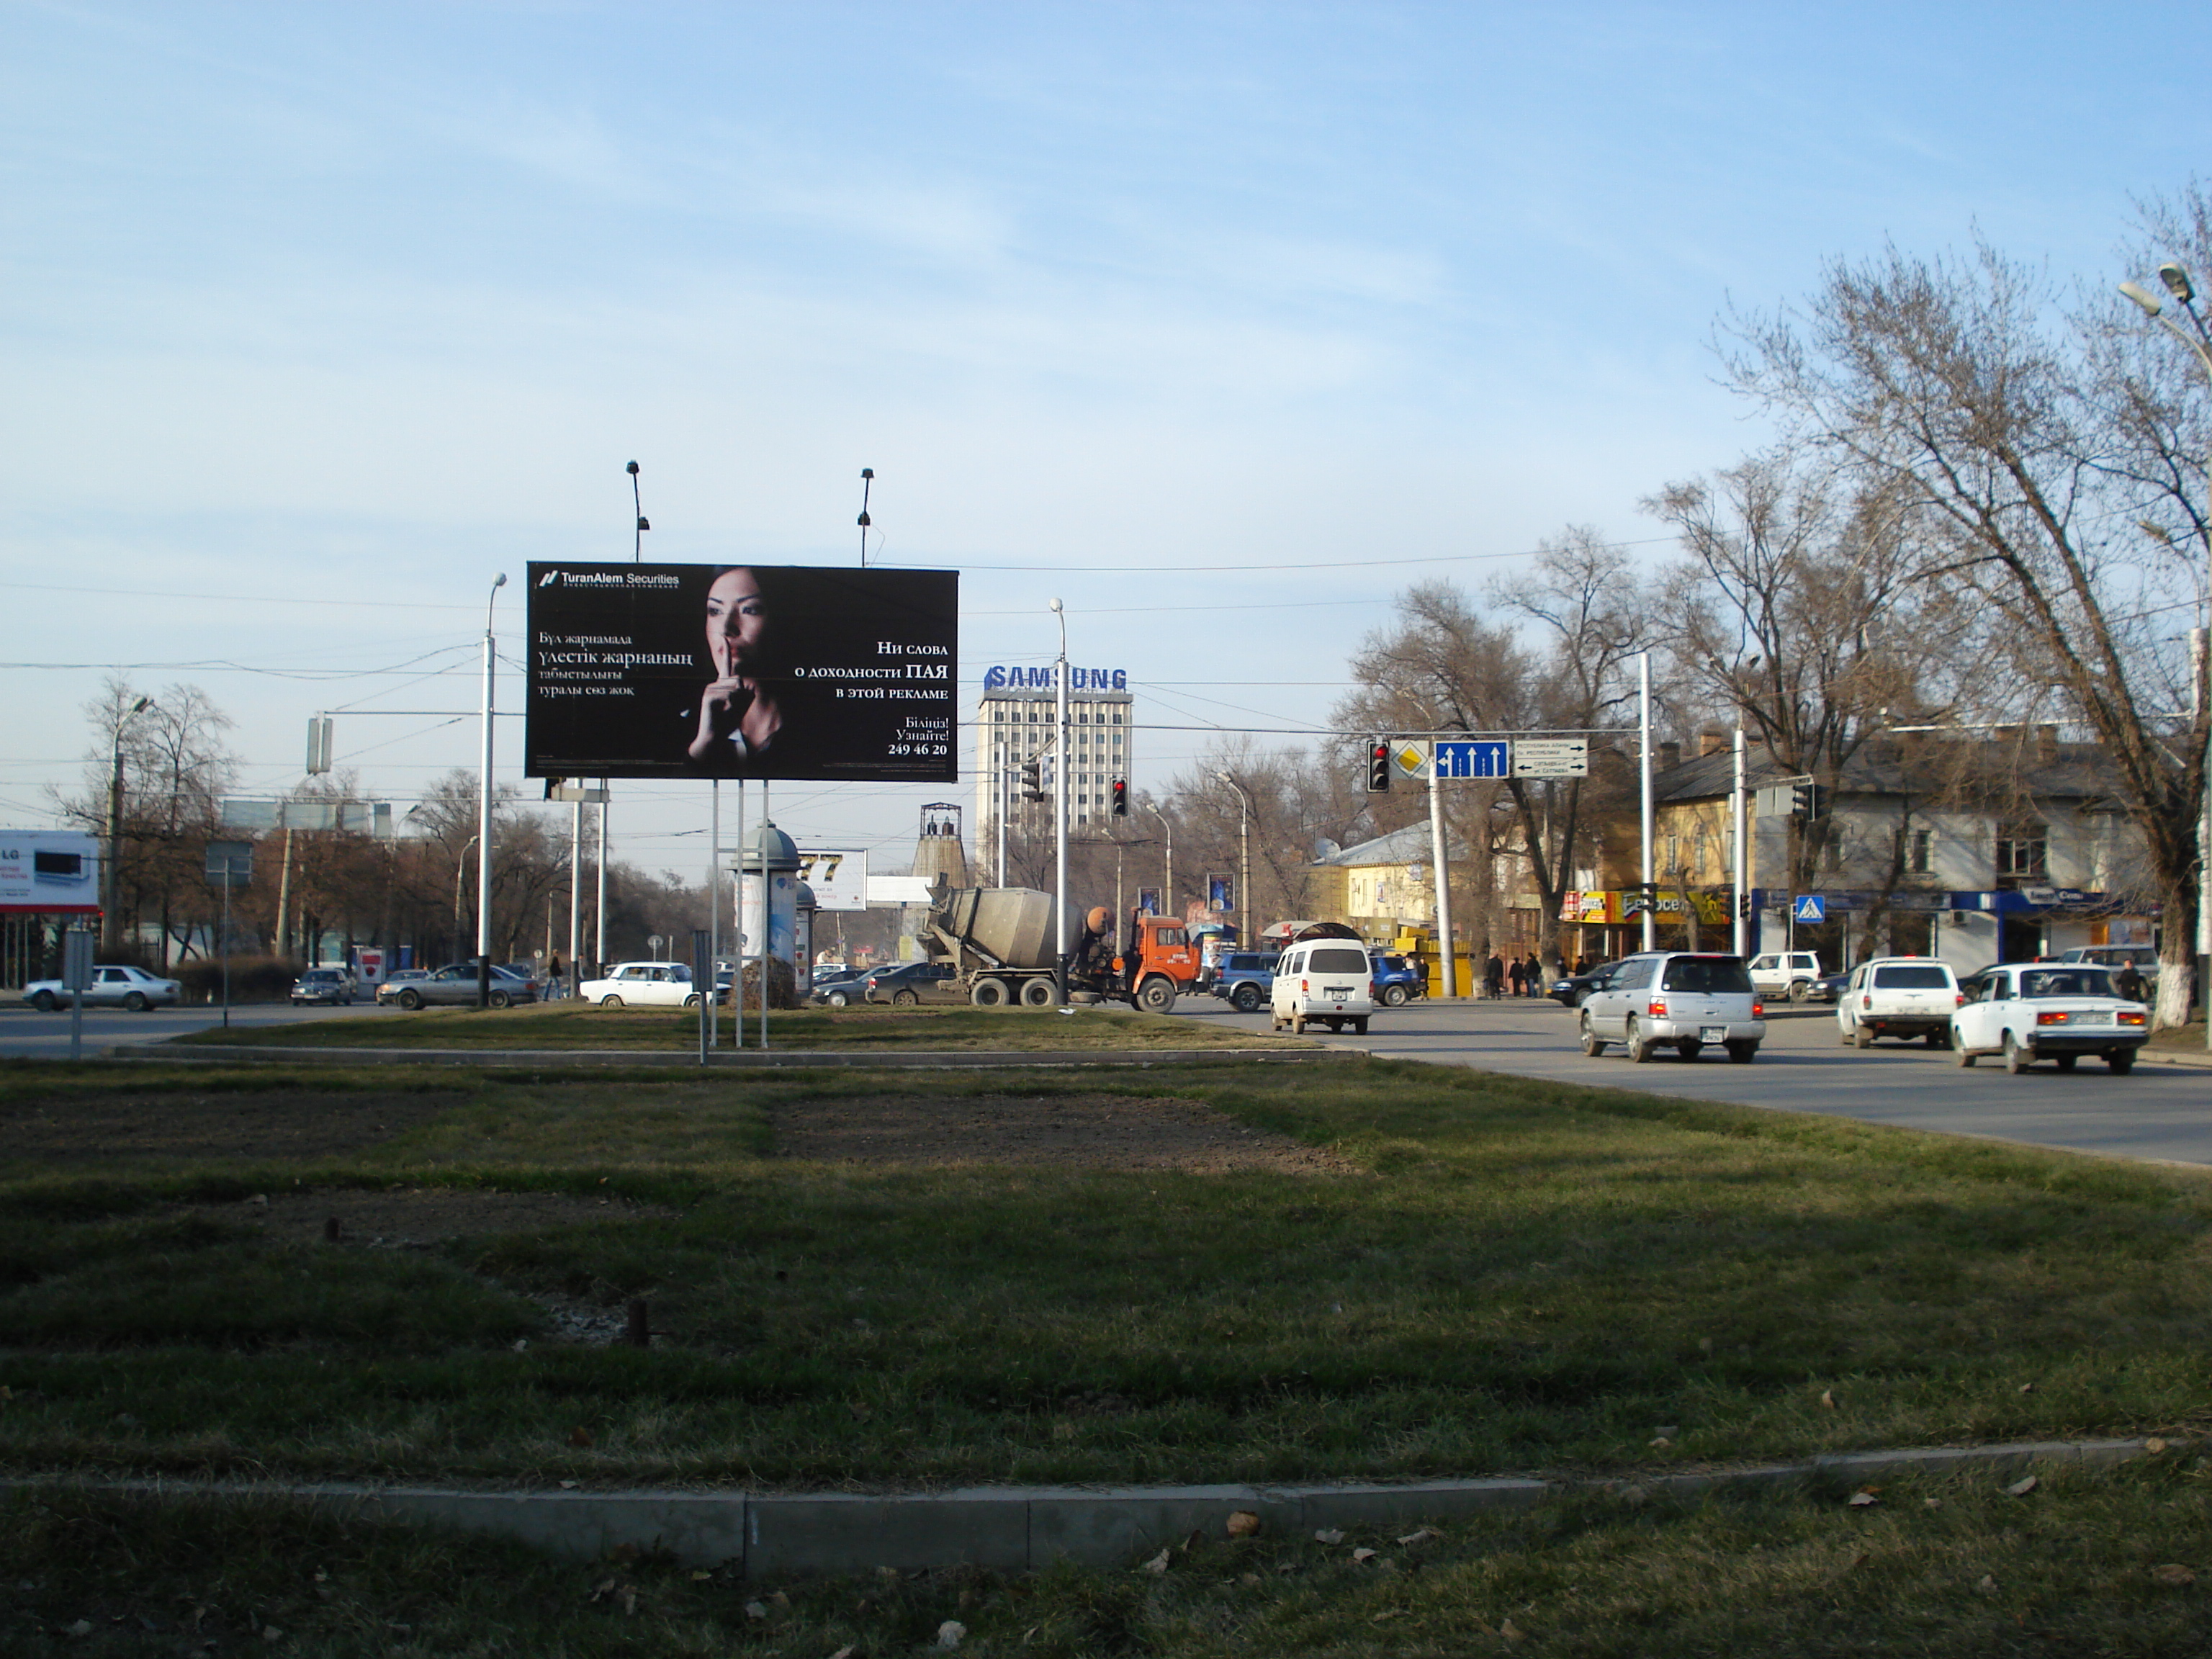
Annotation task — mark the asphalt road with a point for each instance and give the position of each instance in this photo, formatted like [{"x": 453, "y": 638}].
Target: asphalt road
[
  {"x": 24, "y": 1031},
  {"x": 2157, "y": 1111}
]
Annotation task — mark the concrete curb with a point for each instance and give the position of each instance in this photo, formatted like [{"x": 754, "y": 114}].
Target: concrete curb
[
  {"x": 1021, "y": 1528},
  {"x": 743, "y": 1059}
]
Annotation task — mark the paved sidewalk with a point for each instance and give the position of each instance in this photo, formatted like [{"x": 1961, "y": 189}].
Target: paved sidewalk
[{"x": 1020, "y": 1529}]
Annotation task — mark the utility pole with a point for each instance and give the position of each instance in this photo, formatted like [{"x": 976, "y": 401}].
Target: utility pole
[{"x": 110, "y": 920}]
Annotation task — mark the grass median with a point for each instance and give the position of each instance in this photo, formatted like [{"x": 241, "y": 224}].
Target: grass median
[
  {"x": 578, "y": 1025},
  {"x": 880, "y": 1280}
]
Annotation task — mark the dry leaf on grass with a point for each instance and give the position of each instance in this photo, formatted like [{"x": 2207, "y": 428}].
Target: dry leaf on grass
[
  {"x": 1158, "y": 1563},
  {"x": 1363, "y": 1554},
  {"x": 1329, "y": 1536},
  {"x": 949, "y": 1634},
  {"x": 756, "y": 1610},
  {"x": 1420, "y": 1537},
  {"x": 1511, "y": 1632},
  {"x": 2021, "y": 1487},
  {"x": 1988, "y": 1586},
  {"x": 1242, "y": 1523},
  {"x": 1386, "y": 1612},
  {"x": 2154, "y": 1446},
  {"x": 2027, "y": 1387},
  {"x": 845, "y": 1652},
  {"x": 1828, "y": 1398},
  {"x": 1862, "y": 1498},
  {"x": 2174, "y": 1575}
]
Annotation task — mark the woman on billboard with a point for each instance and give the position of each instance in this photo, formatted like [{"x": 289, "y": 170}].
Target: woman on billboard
[{"x": 740, "y": 716}]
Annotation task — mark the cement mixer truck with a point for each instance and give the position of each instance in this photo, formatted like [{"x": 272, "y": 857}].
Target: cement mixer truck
[{"x": 1003, "y": 941}]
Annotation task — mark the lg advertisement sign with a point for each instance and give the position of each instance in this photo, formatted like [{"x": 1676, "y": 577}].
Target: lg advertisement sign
[
  {"x": 49, "y": 873},
  {"x": 673, "y": 671}
]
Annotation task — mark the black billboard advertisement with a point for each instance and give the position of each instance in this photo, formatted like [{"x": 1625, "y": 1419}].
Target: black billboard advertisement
[{"x": 745, "y": 671}]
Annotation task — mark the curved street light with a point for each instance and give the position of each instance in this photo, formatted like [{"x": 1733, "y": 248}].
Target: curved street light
[
  {"x": 2179, "y": 285},
  {"x": 483, "y": 826},
  {"x": 1246, "y": 935}
]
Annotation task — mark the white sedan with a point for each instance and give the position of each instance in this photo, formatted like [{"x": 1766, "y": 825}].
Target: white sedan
[
  {"x": 643, "y": 985},
  {"x": 2058, "y": 1012},
  {"x": 111, "y": 988}
]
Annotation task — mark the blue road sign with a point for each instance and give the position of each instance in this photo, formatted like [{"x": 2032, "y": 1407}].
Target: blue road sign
[
  {"x": 1490, "y": 758},
  {"x": 1810, "y": 907}
]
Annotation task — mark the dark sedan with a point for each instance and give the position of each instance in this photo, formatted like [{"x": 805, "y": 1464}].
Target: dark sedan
[
  {"x": 914, "y": 981},
  {"x": 1575, "y": 990},
  {"x": 455, "y": 986}
]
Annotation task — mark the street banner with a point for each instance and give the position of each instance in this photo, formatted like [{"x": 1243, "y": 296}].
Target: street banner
[
  {"x": 673, "y": 671},
  {"x": 49, "y": 873},
  {"x": 839, "y": 880}
]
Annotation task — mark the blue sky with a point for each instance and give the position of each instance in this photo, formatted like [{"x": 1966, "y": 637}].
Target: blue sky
[{"x": 1223, "y": 323}]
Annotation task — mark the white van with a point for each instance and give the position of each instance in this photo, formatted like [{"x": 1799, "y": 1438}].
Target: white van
[
  {"x": 1899, "y": 997},
  {"x": 1323, "y": 981}
]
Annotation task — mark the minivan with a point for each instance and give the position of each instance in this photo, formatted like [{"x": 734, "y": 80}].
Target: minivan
[{"x": 1323, "y": 981}]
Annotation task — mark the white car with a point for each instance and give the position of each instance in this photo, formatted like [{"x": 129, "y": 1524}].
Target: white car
[
  {"x": 111, "y": 988},
  {"x": 1791, "y": 974},
  {"x": 643, "y": 985},
  {"x": 1900, "y": 996},
  {"x": 2058, "y": 1012}
]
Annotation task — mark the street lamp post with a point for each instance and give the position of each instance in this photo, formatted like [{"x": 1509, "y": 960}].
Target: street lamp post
[
  {"x": 1244, "y": 933},
  {"x": 484, "y": 825},
  {"x": 1059, "y": 807},
  {"x": 1167, "y": 876},
  {"x": 110, "y": 929},
  {"x": 2178, "y": 284}
]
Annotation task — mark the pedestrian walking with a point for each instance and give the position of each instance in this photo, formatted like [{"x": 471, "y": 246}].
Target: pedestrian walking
[{"x": 1493, "y": 977}]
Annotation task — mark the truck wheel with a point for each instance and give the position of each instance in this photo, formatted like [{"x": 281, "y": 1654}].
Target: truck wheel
[
  {"x": 988, "y": 993},
  {"x": 1394, "y": 996},
  {"x": 1245, "y": 999},
  {"x": 1156, "y": 995},
  {"x": 1039, "y": 993}
]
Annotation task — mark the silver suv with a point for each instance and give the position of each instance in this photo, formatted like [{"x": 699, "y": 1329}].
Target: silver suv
[{"x": 1683, "y": 1000}]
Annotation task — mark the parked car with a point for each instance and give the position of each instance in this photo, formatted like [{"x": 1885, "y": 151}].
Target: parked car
[
  {"x": 2144, "y": 956},
  {"x": 1244, "y": 979},
  {"x": 1396, "y": 981},
  {"x": 1685, "y": 1000},
  {"x": 1575, "y": 989},
  {"x": 840, "y": 990},
  {"x": 455, "y": 986},
  {"x": 910, "y": 982},
  {"x": 1791, "y": 974},
  {"x": 643, "y": 985},
  {"x": 111, "y": 988},
  {"x": 2059, "y": 1011},
  {"x": 1322, "y": 981},
  {"x": 398, "y": 980},
  {"x": 336, "y": 985},
  {"x": 1900, "y": 996}
]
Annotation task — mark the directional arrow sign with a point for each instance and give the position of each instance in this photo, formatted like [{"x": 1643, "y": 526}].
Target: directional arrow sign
[
  {"x": 1551, "y": 758},
  {"x": 1480, "y": 759}
]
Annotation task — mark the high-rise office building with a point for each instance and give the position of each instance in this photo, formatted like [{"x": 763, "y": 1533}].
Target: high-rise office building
[{"x": 1015, "y": 724}]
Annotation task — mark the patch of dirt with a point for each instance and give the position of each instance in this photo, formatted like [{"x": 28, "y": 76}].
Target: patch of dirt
[
  {"x": 285, "y": 1124},
  {"x": 1059, "y": 1131},
  {"x": 405, "y": 1217}
]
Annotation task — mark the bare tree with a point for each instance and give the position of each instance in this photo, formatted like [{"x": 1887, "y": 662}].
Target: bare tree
[{"x": 2032, "y": 447}]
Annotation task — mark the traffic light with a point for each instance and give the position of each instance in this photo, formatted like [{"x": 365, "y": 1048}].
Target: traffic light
[
  {"x": 1121, "y": 798},
  {"x": 1743, "y": 904},
  {"x": 1378, "y": 768},
  {"x": 1808, "y": 800},
  {"x": 1032, "y": 781}
]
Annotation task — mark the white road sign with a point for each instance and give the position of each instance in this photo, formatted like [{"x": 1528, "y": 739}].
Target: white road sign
[
  {"x": 1551, "y": 758},
  {"x": 1410, "y": 758}
]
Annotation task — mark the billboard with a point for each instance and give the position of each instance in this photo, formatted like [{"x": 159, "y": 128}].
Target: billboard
[
  {"x": 840, "y": 879},
  {"x": 49, "y": 871},
  {"x": 674, "y": 670}
]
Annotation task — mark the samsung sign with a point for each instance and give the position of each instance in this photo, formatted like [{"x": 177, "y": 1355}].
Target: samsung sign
[{"x": 1040, "y": 679}]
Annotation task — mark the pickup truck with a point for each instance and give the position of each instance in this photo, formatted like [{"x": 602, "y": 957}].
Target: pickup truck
[{"x": 1245, "y": 979}]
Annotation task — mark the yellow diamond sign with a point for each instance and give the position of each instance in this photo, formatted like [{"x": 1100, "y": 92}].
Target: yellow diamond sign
[{"x": 1411, "y": 758}]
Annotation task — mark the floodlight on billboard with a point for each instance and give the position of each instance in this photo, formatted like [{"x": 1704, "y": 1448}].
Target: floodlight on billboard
[{"x": 671, "y": 671}]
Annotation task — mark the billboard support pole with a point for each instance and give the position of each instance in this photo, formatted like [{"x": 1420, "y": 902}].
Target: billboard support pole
[
  {"x": 765, "y": 929},
  {"x": 484, "y": 827},
  {"x": 1741, "y": 939},
  {"x": 575, "y": 889},
  {"x": 599, "y": 915},
  {"x": 710, "y": 1026},
  {"x": 738, "y": 979},
  {"x": 1646, "y": 891}
]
